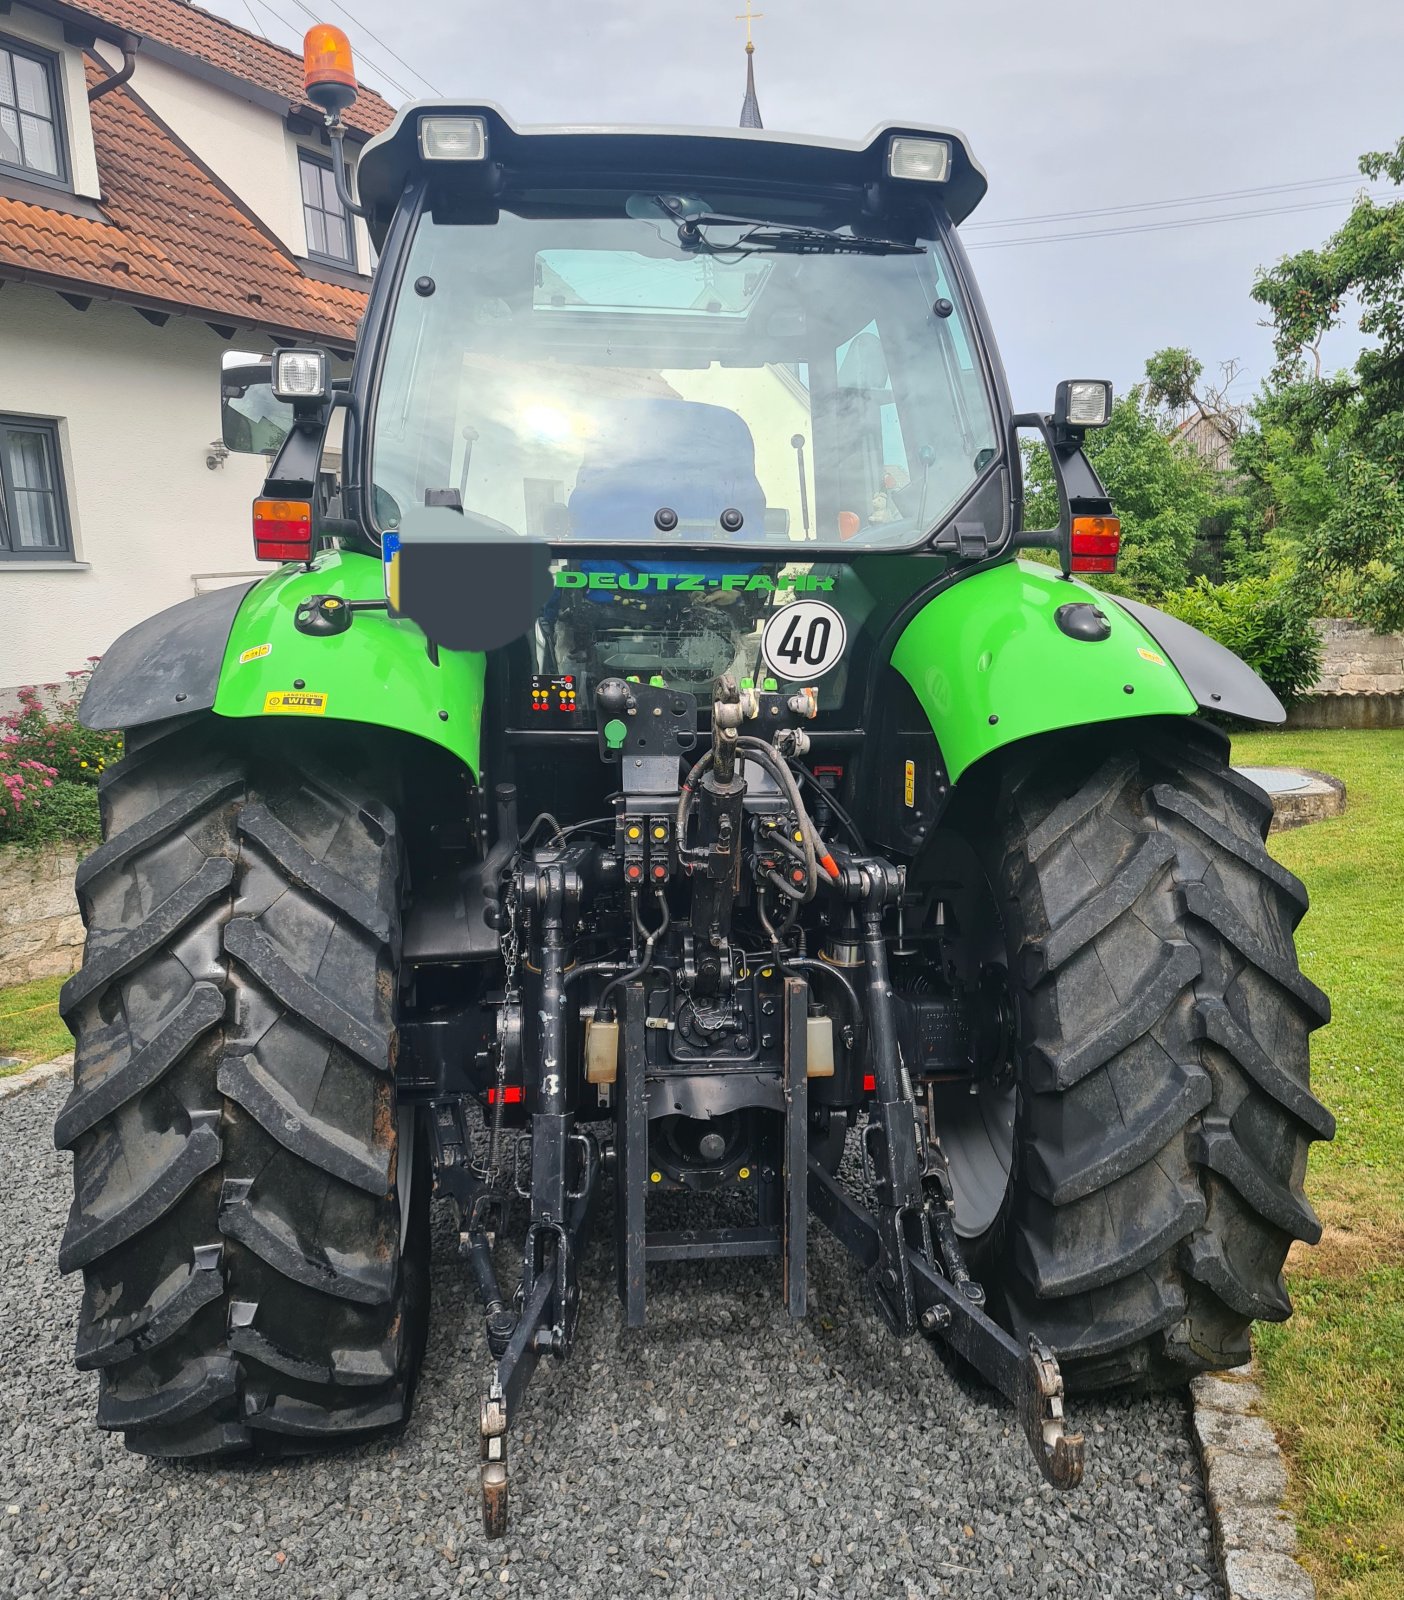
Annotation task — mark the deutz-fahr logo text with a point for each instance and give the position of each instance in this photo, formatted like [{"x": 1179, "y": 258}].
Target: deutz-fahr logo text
[{"x": 752, "y": 582}]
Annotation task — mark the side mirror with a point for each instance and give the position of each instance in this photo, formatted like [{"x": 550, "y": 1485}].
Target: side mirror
[{"x": 253, "y": 420}]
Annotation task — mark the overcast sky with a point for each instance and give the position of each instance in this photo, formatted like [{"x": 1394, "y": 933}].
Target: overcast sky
[{"x": 1068, "y": 107}]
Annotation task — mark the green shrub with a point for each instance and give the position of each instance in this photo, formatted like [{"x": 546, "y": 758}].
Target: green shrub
[
  {"x": 1261, "y": 621},
  {"x": 49, "y": 767}
]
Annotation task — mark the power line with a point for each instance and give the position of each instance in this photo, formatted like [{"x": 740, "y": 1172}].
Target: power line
[
  {"x": 1158, "y": 227},
  {"x": 1167, "y": 205}
]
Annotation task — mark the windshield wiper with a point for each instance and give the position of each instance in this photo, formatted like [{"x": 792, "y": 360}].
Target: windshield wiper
[
  {"x": 764, "y": 238},
  {"x": 773, "y": 240}
]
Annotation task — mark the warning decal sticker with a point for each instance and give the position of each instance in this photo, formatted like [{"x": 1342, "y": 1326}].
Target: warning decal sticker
[{"x": 297, "y": 702}]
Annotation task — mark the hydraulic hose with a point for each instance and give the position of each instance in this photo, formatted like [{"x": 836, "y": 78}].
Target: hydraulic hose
[
  {"x": 813, "y": 964},
  {"x": 768, "y": 758},
  {"x": 685, "y": 798},
  {"x": 593, "y": 969},
  {"x": 780, "y": 771},
  {"x": 651, "y": 937}
]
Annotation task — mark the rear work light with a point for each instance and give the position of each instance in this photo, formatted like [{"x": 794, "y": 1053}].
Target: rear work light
[
  {"x": 925, "y": 160},
  {"x": 301, "y": 375},
  {"x": 452, "y": 138},
  {"x": 282, "y": 530},
  {"x": 1096, "y": 543}
]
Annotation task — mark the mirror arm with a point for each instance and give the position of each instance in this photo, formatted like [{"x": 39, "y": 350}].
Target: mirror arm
[
  {"x": 336, "y": 131},
  {"x": 293, "y": 475},
  {"x": 1080, "y": 490}
]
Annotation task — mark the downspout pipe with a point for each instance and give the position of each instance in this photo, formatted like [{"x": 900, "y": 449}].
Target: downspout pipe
[{"x": 116, "y": 79}]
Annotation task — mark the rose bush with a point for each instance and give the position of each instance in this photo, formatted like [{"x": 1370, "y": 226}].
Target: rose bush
[{"x": 50, "y": 765}]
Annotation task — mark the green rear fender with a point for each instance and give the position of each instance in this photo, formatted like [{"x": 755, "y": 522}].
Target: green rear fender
[
  {"x": 379, "y": 671},
  {"x": 990, "y": 665}
]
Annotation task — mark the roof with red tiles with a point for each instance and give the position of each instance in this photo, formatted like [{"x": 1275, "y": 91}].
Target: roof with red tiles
[
  {"x": 171, "y": 239},
  {"x": 229, "y": 49}
]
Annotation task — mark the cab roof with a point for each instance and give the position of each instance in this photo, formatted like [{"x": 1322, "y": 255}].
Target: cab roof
[{"x": 570, "y": 154}]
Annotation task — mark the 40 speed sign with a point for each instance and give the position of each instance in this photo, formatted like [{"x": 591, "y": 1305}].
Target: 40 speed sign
[{"x": 803, "y": 640}]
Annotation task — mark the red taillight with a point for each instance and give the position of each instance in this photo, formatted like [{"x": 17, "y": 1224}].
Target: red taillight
[
  {"x": 282, "y": 530},
  {"x": 869, "y": 1083},
  {"x": 511, "y": 1095},
  {"x": 1096, "y": 542}
]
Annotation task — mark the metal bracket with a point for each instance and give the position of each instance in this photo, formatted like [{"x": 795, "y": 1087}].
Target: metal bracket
[
  {"x": 1027, "y": 1376},
  {"x": 1058, "y": 1452},
  {"x": 493, "y": 1472}
]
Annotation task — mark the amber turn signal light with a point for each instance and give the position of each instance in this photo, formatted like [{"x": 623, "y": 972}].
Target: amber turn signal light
[
  {"x": 328, "y": 74},
  {"x": 1096, "y": 543},
  {"x": 282, "y": 530}
]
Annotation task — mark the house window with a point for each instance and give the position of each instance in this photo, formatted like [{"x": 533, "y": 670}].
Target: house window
[
  {"x": 31, "y": 127},
  {"x": 328, "y": 226},
  {"x": 33, "y": 515}
]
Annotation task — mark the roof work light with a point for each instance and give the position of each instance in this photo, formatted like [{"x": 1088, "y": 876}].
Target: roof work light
[
  {"x": 923, "y": 160},
  {"x": 328, "y": 75},
  {"x": 452, "y": 138}
]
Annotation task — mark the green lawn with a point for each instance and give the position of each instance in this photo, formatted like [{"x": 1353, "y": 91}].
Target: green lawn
[
  {"x": 1334, "y": 1374},
  {"x": 29, "y": 1024}
]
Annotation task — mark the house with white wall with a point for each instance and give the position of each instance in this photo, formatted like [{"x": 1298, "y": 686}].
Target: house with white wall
[{"x": 166, "y": 195}]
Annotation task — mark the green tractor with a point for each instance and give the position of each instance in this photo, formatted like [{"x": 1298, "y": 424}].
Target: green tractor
[{"x": 652, "y": 770}]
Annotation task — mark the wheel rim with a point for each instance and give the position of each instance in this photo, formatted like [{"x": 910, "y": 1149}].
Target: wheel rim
[
  {"x": 977, "y": 1136},
  {"x": 975, "y": 1119},
  {"x": 405, "y": 1163}
]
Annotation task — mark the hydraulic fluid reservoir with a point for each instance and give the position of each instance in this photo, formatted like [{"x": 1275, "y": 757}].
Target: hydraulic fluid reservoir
[
  {"x": 821, "y": 1046},
  {"x": 602, "y": 1051}
]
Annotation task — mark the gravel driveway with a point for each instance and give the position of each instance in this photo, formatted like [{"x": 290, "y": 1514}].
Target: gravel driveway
[{"x": 723, "y": 1453}]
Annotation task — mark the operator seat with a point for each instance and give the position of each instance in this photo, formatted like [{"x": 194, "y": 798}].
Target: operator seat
[{"x": 695, "y": 459}]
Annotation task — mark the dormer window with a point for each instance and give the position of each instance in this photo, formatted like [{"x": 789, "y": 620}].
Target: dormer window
[
  {"x": 329, "y": 236},
  {"x": 31, "y": 126}
]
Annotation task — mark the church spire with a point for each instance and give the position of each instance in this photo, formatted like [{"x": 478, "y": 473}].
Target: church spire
[{"x": 750, "y": 106}]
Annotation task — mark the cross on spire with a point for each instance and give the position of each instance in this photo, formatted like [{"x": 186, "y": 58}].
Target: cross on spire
[{"x": 748, "y": 17}]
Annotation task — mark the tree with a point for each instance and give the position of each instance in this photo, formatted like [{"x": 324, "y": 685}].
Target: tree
[
  {"x": 1159, "y": 488},
  {"x": 1355, "y": 564},
  {"x": 1363, "y": 262},
  {"x": 1173, "y": 379}
]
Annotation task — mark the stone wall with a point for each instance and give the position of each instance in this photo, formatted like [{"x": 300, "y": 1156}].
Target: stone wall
[
  {"x": 1356, "y": 661},
  {"x": 41, "y": 933}
]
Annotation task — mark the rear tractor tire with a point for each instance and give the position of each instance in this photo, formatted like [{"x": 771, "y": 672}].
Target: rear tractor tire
[
  {"x": 250, "y": 1211},
  {"x": 1162, "y": 1112}
]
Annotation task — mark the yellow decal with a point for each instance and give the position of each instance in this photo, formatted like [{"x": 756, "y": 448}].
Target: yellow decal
[
  {"x": 909, "y": 784},
  {"x": 256, "y": 654},
  {"x": 297, "y": 702},
  {"x": 1150, "y": 655}
]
